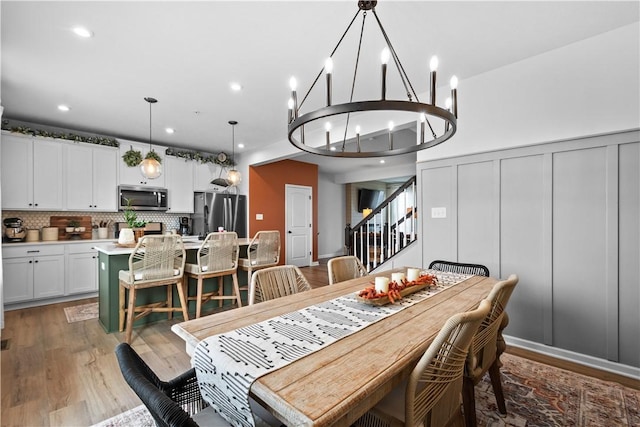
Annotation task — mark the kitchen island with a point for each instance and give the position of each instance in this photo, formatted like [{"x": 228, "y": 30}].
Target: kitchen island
[{"x": 113, "y": 258}]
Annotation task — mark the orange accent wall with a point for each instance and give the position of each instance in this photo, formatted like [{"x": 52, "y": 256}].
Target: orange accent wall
[{"x": 267, "y": 196}]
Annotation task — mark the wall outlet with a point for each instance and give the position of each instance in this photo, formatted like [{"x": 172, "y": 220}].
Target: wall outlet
[
  {"x": 440, "y": 212},
  {"x": 259, "y": 217}
]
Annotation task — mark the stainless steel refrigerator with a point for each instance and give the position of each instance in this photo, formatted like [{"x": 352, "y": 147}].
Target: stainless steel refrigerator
[{"x": 213, "y": 210}]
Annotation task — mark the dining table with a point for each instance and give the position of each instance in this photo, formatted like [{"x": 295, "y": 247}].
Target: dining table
[{"x": 337, "y": 384}]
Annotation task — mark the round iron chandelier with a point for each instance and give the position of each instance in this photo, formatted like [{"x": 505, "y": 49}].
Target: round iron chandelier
[{"x": 350, "y": 113}]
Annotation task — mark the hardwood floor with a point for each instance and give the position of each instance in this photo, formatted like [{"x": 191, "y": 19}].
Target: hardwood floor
[{"x": 56, "y": 373}]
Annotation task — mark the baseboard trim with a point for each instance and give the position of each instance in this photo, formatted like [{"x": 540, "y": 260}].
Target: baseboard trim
[
  {"x": 333, "y": 255},
  {"x": 577, "y": 362},
  {"x": 38, "y": 303},
  {"x": 314, "y": 264}
]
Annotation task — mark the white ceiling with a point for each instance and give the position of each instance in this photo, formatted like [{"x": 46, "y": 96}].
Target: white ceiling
[{"x": 185, "y": 54}]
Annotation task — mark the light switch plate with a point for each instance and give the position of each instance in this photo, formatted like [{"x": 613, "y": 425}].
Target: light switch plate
[
  {"x": 440, "y": 212},
  {"x": 259, "y": 217}
]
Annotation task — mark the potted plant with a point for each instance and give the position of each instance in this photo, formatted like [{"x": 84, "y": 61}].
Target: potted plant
[
  {"x": 131, "y": 217},
  {"x": 154, "y": 156},
  {"x": 132, "y": 157},
  {"x": 72, "y": 226}
]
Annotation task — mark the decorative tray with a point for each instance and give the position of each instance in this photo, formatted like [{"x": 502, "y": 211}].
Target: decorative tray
[
  {"x": 384, "y": 300},
  {"x": 125, "y": 245}
]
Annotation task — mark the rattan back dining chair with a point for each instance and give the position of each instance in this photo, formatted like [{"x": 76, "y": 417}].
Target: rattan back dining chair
[
  {"x": 275, "y": 282},
  {"x": 263, "y": 252},
  {"x": 155, "y": 261},
  {"x": 217, "y": 257},
  {"x": 345, "y": 268},
  {"x": 459, "y": 267},
  {"x": 484, "y": 351},
  {"x": 431, "y": 395}
]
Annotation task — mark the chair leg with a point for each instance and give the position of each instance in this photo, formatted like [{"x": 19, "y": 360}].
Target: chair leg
[
  {"x": 183, "y": 301},
  {"x": 199, "y": 297},
  {"x": 169, "y": 301},
  {"x": 496, "y": 383},
  {"x": 236, "y": 288},
  {"x": 469, "y": 402},
  {"x": 220, "y": 290},
  {"x": 121, "y": 303},
  {"x": 130, "y": 314}
]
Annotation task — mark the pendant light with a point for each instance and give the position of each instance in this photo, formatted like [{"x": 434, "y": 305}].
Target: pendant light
[
  {"x": 150, "y": 167},
  {"x": 233, "y": 177}
]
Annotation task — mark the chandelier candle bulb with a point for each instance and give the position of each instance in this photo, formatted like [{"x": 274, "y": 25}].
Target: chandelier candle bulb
[
  {"x": 390, "y": 135},
  {"x": 454, "y": 96},
  {"x": 327, "y": 128},
  {"x": 413, "y": 274},
  {"x": 433, "y": 65},
  {"x": 382, "y": 284},
  {"x": 290, "y": 105},
  {"x": 384, "y": 58},
  {"x": 328, "y": 68},
  {"x": 423, "y": 118},
  {"x": 293, "y": 84},
  {"x": 358, "y": 138},
  {"x": 447, "y": 104}
]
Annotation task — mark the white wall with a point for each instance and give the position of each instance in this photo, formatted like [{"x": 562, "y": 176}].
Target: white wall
[
  {"x": 588, "y": 87},
  {"x": 331, "y": 214}
]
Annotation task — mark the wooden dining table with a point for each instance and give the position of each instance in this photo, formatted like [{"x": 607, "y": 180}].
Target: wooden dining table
[{"x": 336, "y": 385}]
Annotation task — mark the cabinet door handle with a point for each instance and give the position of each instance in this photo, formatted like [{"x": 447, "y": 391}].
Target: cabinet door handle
[
  {"x": 33, "y": 251},
  {"x": 36, "y": 261},
  {"x": 30, "y": 262},
  {"x": 36, "y": 204}
]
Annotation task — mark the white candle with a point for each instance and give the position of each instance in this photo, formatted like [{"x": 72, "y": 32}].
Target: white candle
[
  {"x": 382, "y": 284},
  {"x": 397, "y": 277},
  {"x": 413, "y": 274}
]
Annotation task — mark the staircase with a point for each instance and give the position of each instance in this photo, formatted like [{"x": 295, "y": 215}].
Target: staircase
[{"x": 387, "y": 230}]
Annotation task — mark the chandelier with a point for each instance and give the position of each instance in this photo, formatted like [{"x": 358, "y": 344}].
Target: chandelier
[{"x": 349, "y": 115}]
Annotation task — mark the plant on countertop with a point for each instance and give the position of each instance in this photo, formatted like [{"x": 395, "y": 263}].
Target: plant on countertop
[
  {"x": 73, "y": 223},
  {"x": 132, "y": 157},
  {"x": 201, "y": 157},
  {"x": 131, "y": 217},
  {"x": 153, "y": 155},
  {"x": 25, "y": 130}
]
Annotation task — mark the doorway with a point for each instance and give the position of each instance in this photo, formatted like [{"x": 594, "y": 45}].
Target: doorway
[{"x": 299, "y": 225}]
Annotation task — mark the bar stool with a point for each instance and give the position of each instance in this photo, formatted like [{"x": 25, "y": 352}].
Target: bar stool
[
  {"x": 217, "y": 257},
  {"x": 263, "y": 252},
  {"x": 155, "y": 261}
]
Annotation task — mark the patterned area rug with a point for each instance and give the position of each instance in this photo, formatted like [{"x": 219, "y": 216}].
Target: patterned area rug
[
  {"x": 78, "y": 313},
  {"x": 537, "y": 395}
]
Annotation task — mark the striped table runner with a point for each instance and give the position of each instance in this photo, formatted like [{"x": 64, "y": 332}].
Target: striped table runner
[{"x": 227, "y": 364}]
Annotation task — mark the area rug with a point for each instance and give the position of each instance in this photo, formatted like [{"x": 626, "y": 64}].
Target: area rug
[
  {"x": 536, "y": 395},
  {"x": 78, "y": 313}
]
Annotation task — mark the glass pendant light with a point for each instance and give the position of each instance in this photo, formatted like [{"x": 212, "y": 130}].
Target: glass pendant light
[
  {"x": 233, "y": 177},
  {"x": 150, "y": 167}
]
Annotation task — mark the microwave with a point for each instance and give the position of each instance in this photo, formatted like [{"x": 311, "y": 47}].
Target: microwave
[{"x": 142, "y": 198}]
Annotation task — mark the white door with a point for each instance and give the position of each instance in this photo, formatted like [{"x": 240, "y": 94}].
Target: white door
[{"x": 298, "y": 226}]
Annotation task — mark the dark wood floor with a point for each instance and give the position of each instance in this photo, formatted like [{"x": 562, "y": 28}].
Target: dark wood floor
[{"x": 56, "y": 373}]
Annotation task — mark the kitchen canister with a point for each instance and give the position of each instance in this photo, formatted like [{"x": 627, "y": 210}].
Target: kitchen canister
[
  {"x": 33, "y": 235},
  {"x": 49, "y": 233}
]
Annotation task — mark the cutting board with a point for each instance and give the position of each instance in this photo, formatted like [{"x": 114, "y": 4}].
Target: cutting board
[{"x": 62, "y": 222}]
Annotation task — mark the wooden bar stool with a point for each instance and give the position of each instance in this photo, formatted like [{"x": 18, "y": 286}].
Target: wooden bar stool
[
  {"x": 217, "y": 257},
  {"x": 155, "y": 261},
  {"x": 263, "y": 252}
]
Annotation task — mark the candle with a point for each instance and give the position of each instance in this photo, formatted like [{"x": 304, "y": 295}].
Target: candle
[
  {"x": 454, "y": 96},
  {"x": 328, "y": 68},
  {"x": 293, "y": 84},
  {"x": 382, "y": 284},
  {"x": 423, "y": 118},
  {"x": 397, "y": 277},
  {"x": 327, "y": 128},
  {"x": 384, "y": 58},
  {"x": 290, "y": 107},
  {"x": 390, "y": 135},
  {"x": 432, "y": 78},
  {"x": 413, "y": 274}
]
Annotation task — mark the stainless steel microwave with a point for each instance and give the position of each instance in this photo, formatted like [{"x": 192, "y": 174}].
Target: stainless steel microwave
[{"x": 142, "y": 198}]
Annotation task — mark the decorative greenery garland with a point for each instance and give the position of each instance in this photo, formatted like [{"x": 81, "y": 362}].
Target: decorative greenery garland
[
  {"x": 98, "y": 140},
  {"x": 153, "y": 155},
  {"x": 201, "y": 157}
]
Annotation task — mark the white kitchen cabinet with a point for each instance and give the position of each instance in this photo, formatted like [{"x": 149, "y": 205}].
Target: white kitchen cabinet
[
  {"x": 179, "y": 181},
  {"x": 132, "y": 175},
  {"x": 82, "y": 268},
  {"x": 31, "y": 173},
  {"x": 90, "y": 176},
  {"x": 204, "y": 173},
  {"x": 33, "y": 272}
]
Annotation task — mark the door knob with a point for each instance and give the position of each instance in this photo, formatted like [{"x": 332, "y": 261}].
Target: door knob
[{"x": 290, "y": 232}]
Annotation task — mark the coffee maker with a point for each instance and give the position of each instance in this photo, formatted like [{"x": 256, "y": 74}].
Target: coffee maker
[
  {"x": 14, "y": 230},
  {"x": 185, "y": 226}
]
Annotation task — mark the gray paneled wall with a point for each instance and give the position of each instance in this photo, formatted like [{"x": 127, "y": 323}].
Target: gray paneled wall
[{"x": 565, "y": 217}]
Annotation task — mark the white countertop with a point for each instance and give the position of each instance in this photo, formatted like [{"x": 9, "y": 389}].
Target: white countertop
[
  {"x": 57, "y": 242},
  {"x": 190, "y": 242}
]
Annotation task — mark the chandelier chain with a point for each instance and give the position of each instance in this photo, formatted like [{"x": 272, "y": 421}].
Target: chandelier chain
[{"x": 330, "y": 56}]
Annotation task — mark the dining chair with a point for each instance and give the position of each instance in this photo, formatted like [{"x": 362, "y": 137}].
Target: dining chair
[
  {"x": 484, "y": 352},
  {"x": 177, "y": 402},
  {"x": 155, "y": 261},
  {"x": 459, "y": 267},
  {"x": 431, "y": 395},
  {"x": 217, "y": 257},
  {"x": 275, "y": 282},
  {"x": 263, "y": 252},
  {"x": 345, "y": 268}
]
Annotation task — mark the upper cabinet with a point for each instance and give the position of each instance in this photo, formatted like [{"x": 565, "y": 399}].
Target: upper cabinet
[
  {"x": 131, "y": 175},
  {"x": 179, "y": 179},
  {"x": 204, "y": 173},
  {"x": 90, "y": 177},
  {"x": 31, "y": 173}
]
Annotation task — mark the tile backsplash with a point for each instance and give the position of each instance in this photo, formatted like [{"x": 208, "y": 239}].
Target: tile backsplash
[{"x": 39, "y": 219}]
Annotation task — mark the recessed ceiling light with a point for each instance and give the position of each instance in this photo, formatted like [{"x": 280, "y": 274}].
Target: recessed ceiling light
[
  {"x": 235, "y": 86},
  {"x": 241, "y": 145},
  {"x": 63, "y": 107},
  {"x": 170, "y": 130},
  {"x": 382, "y": 161},
  {"x": 82, "y": 32}
]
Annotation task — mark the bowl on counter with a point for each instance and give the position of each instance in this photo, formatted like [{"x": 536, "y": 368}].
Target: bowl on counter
[
  {"x": 33, "y": 235},
  {"x": 49, "y": 233}
]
